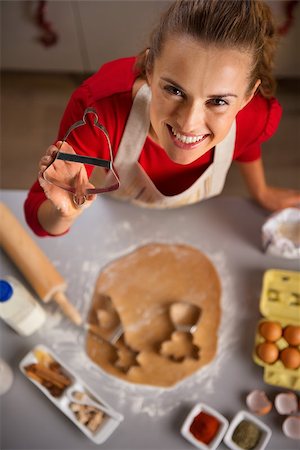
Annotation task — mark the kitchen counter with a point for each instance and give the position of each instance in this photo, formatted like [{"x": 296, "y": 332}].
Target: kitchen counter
[{"x": 228, "y": 231}]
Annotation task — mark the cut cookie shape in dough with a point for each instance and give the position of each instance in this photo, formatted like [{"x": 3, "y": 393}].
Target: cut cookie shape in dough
[
  {"x": 184, "y": 315},
  {"x": 105, "y": 317},
  {"x": 179, "y": 347},
  {"x": 142, "y": 286},
  {"x": 126, "y": 356}
]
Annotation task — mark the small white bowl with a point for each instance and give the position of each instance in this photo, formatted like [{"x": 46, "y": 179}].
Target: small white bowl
[
  {"x": 185, "y": 429},
  {"x": 245, "y": 415},
  {"x": 280, "y": 233}
]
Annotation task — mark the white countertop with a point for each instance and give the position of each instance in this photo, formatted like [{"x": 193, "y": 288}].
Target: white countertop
[{"x": 228, "y": 230}]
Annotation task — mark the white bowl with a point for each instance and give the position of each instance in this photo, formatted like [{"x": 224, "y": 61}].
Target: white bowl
[
  {"x": 245, "y": 415},
  {"x": 185, "y": 429},
  {"x": 280, "y": 234}
]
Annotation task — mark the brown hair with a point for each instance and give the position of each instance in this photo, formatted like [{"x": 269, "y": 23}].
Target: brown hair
[{"x": 244, "y": 24}]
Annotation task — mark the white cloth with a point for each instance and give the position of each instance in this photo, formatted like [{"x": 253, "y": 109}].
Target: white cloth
[{"x": 138, "y": 188}]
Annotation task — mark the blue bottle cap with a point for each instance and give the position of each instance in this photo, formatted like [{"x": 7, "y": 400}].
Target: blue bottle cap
[{"x": 6, "y": 291}]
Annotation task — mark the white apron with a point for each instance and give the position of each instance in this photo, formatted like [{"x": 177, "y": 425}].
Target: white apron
[{"x": 135, "y": 184}]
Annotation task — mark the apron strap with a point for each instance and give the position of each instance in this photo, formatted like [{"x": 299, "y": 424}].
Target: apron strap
[
  {"x": 136, "y": 129},
  {"x": 222, "y": 161}
]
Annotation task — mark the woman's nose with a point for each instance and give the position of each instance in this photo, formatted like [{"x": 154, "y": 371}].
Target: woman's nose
[{"x": 191, "y": 118}]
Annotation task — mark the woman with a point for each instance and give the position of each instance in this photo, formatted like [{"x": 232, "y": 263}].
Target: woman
[{"x": 200, "y": 96}]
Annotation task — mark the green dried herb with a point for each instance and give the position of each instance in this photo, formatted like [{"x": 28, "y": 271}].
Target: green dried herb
[{"x": 246, "y": 435}]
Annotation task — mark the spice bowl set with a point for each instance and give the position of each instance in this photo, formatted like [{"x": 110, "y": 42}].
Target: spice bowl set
[
  {"x": 91, "y": 414},
  {"x": 205, "y": 428},
  {"x": 277, "y": 339}
]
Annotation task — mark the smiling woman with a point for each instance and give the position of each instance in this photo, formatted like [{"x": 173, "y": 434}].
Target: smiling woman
[{"x": 199, "y": 97}]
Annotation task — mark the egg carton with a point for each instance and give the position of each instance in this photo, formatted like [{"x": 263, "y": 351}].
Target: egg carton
[
  {"x": 276, "y": 373},
  {"x": 280, "y": 296},
  {"x": 77, "y": 392},
  {"x": 280, "y": 302}
]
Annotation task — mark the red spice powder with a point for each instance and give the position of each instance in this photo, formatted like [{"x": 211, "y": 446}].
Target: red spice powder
[{"x": 204, "y": 427}]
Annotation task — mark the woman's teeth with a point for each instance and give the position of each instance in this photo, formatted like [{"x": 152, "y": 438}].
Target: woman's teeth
[{"x": 187, "y": 139}]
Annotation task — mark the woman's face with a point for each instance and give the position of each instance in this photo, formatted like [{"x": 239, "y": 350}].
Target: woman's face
[{"x": 197, "y": 90}]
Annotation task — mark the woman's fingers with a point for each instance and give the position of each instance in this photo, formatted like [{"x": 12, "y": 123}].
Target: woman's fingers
[
  {"x": 51, "y": 153},
  {"x": 65, "y": 147},
  {"x": 48, "y": 158},
  {"x": 52, "y": 150},
  {"x": 66, "y": 172},
  {"x": 45, "y": 161}
]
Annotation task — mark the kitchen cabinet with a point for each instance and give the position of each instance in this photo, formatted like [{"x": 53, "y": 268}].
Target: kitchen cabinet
[
  {"x": 93, "y": 32},
  {"x": 89, "y": 33}
]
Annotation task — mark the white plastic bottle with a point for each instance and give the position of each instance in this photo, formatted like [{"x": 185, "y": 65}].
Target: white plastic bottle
[{"x": 18, "y": 308}]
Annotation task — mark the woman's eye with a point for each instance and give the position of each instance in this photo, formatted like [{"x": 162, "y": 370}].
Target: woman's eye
[
  {"x": 173, "y": 90},
  {"x": 218, "y": 102}
]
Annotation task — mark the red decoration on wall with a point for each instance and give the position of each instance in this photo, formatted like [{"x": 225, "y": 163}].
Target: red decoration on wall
[
  {"x": 289, "y": 6},
  {"x": 48, "y": 37}
]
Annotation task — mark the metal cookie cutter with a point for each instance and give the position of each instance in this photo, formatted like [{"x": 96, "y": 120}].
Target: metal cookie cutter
[{"x": 79, "y": 199}]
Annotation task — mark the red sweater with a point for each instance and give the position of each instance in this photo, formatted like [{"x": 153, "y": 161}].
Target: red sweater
[{"x": 109, "y": 92}]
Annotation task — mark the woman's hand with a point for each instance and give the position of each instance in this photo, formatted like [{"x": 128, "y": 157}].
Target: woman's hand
[
  {"x": 271, "y": 198},
  {"x": 274, "y": 199},
  {"x": 57, "y": 214},
  {"x": 63, "y": 174}
]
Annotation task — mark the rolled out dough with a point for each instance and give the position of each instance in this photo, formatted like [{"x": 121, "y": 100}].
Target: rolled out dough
[{"x": 141, "y": 287}]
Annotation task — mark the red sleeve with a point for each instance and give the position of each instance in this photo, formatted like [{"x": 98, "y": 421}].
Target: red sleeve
[
  {"x": 114, "y": 76},
  {"x": 97, "y": 91},
  {"x": 36, "y": 195},
  {"x": 35, "y": 198},
  {"x": 256, "y": 123}
]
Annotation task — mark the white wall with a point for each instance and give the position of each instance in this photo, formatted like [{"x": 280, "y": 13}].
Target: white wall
[{"x": 92, "y": 32}]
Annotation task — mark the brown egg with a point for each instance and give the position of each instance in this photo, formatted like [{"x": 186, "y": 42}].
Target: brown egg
[
  {"x": 290, "y": 357},
  {"x": 267, "y": 352},
  {"x": 291, "y": 334},
  {"x": 271, "y": 331}
]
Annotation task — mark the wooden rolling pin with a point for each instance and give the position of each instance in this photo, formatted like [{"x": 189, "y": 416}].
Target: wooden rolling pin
[{"x": 34, "y": 264}]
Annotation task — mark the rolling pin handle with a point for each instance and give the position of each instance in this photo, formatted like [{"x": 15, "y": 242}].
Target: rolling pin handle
[{"x": 67, "y": 307}]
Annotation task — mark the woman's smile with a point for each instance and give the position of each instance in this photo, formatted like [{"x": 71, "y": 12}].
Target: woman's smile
[{"x": 185, "y": 141}]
